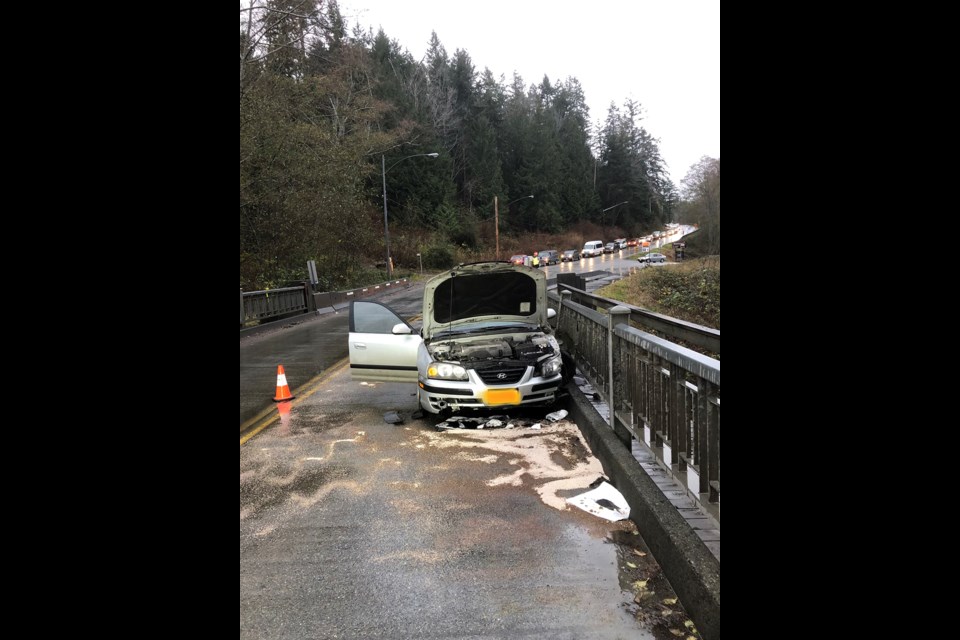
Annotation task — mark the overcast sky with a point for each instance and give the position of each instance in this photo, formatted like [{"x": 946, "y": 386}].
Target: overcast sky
[{"x": 664, "y": 54}]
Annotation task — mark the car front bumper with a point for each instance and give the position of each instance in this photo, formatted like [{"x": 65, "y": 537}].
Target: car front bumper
[{"x": 440, "y": 395}]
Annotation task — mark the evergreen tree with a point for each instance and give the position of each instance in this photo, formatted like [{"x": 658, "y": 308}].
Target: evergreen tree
[{"x": 320, "y": 106}]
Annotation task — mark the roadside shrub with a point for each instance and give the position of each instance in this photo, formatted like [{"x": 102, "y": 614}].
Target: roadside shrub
[
  {"x": 465, "y": 236},
  {"x": 437, "y": 257},
  {"x": 690, "y": 290},
  {"x": 692, "y": 293}
]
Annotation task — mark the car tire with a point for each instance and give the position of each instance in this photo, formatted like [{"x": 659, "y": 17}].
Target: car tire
[{"x": 569, "y": 367}]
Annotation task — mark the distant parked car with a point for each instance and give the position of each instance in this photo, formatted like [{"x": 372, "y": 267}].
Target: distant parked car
[
  {"x": 621, "y": 243},
  {"x": 633, "y": 242},
  {"x": 591, "y": 249},
  {"x": 610, "y": 247},
  {"x": 570, "y": 255},
  {"x": 652, "y": 257},
  {"x": 517, "y": 259},
  {"x": 548, "y": 257}
]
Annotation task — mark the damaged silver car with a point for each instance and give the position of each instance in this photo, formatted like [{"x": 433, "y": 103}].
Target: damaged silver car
[{"x": 485, "y": 341}]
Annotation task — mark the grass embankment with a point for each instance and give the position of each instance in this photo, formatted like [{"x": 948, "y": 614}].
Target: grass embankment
[{"x": 689, "y": 290}]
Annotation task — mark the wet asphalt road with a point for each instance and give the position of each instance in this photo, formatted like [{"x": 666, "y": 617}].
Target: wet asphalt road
[
  {"x": 354, "y": 528},
  {"x": 305, "y": 346}
]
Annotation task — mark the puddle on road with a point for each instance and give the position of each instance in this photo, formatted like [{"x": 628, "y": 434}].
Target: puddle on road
[{"x": 558, "y": 463}]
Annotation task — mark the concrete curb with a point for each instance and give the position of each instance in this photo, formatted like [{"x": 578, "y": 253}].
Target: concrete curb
[{"x": 691, "y": 569}]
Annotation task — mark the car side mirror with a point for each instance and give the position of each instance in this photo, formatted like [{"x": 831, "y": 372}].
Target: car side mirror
[
  {"x": 551, "y": 313},
  {"x": 400, "y": 328}
]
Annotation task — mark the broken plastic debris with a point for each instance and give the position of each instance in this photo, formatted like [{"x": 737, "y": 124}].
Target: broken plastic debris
[
  {"x": 392, "y": 417},
  {"x": 557, "y": 415},
  {"x": 535, "y": 426},
  {"x": 604, "y": 502},
  {"x": 460, "y": 422}
]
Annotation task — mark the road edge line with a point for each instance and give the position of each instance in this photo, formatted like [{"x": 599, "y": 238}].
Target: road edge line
[{"x": 302, "y": 393}]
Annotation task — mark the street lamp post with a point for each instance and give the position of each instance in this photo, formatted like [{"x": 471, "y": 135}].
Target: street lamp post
[
  {"x": 386, "y": 226},
  {"x": 496, "y": 219},
  {"x": 603, "y": 220}
]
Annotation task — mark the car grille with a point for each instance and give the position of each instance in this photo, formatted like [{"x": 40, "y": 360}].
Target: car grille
[{"x": 502, "y": 373}]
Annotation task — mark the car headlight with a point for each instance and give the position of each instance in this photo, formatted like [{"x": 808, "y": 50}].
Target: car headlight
[
  {"x": 446, "y": 371},
  {"x": 551, "y": 367}
]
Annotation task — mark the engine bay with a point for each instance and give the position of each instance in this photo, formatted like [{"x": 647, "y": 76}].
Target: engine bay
[{"x": 529, "y": 349}]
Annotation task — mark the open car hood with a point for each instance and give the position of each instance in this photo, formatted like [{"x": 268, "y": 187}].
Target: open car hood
[{"x": 484, "y": 291}]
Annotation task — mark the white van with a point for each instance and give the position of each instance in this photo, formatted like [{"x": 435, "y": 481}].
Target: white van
[{"x": 592, "y": 248}]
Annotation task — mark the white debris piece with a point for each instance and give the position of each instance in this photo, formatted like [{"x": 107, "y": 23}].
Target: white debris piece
[
  {"x": 535, "y": 426},
  {"x": 557, "y": 415},
  {"x": 600, "y": 500}
]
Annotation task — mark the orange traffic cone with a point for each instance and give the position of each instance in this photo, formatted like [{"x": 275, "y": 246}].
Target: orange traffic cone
[{"x": 283, "y": 390}]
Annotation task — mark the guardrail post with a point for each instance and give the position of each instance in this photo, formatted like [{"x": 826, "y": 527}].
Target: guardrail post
[
  {"x": 241, "y": 309},
  {"x": 565, "y": 294},
  {"x": 713, "y": 447},
  {"x": 674, "y": 420},
  {"x": 701, "y": 452},
  {"x": 308, "y": 298},
  {"x": 618, "y": 315}
]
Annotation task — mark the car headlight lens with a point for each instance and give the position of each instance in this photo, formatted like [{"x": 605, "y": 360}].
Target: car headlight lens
[
  {"x": 446, "y": 371},
  {"x": 551, "y": 367}
]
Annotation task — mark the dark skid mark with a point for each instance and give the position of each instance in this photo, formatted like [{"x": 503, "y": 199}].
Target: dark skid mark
[{"x": 309, "y": 482}]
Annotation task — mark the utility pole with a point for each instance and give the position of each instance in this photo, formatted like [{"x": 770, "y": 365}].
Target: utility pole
[{"x": 496, "y": 224}]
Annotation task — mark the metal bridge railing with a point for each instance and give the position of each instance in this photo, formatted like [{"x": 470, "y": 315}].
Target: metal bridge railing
[
  {"x": 665, "y": 326},
  {"x": 660, "y": 393},
  {"x": 264, "y": 305}
]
